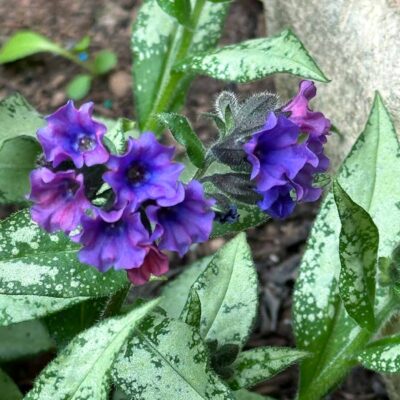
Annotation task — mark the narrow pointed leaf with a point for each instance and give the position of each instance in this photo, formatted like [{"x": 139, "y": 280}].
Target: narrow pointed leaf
[
  {"x": 35, "y": 263},
  {"x": 255, "y": 59},
  {"x": 184, "y": 135},
  {"x": 8, "y": 389},
  {"x": 26, "y": 43},
  {"x": 166, "y": 359},
  {"x": 81, "y": 371},
  {"x": 382, "y": 356},
  {"x": 257, "y": 365},
  {"x": 228, "y": 294},
  {"x": 322, "y": 327},
  {"x": 358, "y": 247}
]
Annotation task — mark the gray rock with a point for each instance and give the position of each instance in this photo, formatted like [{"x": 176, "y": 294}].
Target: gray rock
[{"x": 356, "y": 43}]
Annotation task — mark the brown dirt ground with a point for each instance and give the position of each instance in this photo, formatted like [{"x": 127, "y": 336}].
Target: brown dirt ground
[{"x": 277, "y": 246}]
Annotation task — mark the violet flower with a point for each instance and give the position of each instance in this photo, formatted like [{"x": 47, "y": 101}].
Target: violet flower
[
  {"x": 59, "y": 199},
  {"x": 72, "y": 134},
  {"x": 113, "y": 239},
  {"x": 155, "y": 263},
  {"x": 146, "y": 171},
  {"x": 182, "y": 224}
]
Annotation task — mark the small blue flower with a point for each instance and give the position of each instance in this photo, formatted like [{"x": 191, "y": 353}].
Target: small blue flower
[
  {"x": 145, "y": 172},
  {"x": 182, "y": 224},
  {"x": 72, "y": 134},
  {"x": 83, "y": 56}
]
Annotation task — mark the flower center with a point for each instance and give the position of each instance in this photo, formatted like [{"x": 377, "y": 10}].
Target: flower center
[
  {"x": 137, "y": 174},
  {"x": 85, "y": 142},
  {"x": 69, "y": 189}
]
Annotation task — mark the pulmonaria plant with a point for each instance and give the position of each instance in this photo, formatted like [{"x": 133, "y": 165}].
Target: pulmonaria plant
[{"x": 147, "y": 208}]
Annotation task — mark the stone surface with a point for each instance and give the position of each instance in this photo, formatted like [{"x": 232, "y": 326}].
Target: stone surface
[{"x": 355, "y": 42}]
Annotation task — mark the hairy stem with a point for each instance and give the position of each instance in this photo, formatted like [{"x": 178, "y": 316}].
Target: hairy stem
[{"x": 115, "y": 302}]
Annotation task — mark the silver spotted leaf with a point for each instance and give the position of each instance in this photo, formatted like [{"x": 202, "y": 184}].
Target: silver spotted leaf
[
  {"x": 255, "y": 59},
  {"x": 322, "y": 327},
  {"x": 166, "y": 359},
  {"x": 81, "y": 370},
  {"x": 228, "y": 294}
]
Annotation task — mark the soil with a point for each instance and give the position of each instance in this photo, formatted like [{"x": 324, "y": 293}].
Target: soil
[{"x": 277, "y": 246}]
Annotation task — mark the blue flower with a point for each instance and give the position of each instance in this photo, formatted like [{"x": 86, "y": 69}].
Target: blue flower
[
  {"x": 145, "y": 172},
  {"x": 59, "y": 199},
  {"x": 72, "y": 134},
  {"x": 182, "y": 224}
]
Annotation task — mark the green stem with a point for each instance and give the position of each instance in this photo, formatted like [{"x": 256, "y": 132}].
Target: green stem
[
  {"x": 85, "y": 65},
  {"x": 115, "y": 302},
  {"x": 172, "y": 82}
]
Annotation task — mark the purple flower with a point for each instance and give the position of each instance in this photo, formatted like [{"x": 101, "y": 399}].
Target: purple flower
[
  {"x": 59, "y": 199},
  {"x": 113, "y": 239},
  {"x": 187, "y": 222},
  {"x": 277, "y": 158},
  {"x": 155, "y": 263},
  {"x": 311, "y": 122},
  {"x": 146, "y": 171},
  {"x": 72, "y": 134}
]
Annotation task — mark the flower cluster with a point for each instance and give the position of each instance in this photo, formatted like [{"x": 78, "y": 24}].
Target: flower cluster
[
  {"x": 287, "y": 152},
  {"x": 147, "y": 208}
]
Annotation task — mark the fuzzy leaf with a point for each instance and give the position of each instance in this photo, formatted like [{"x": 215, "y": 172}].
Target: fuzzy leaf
[
  {"x": 191, "y": 313},
  {"x": 184, "y": 135},
  {"x": 322, "y": 327},
  {"x": 179, "y": 9},
  {"x": 34, "y": 263},
  {"x": 155, "y": 38},
  {"x": 358, "y": 247},
  {"x": 26, "y": 43},
  {"x": 79, "y": 86},
  {"x": 81, "y": 371},
  {"x": 118, "y": 132},
  {"x": 175, "y": 293},
  {"x": 23, "y": 340},
  {"x": 18, "y": 149},
  {"x": 166, "y": 359},
  {"x": 244, "y": 394},
  {"x": 228, "y": 294},
  {"x": 382, "y": 355},
  {"x": 8, "y": 389},
  {"x": 255, "y": 59},
  {"x": 257, "y": 365}
]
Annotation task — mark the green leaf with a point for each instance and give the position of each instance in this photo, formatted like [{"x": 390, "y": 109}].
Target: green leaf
[
  {"x": 18, "y": 149},
  {"x": 166, "y": 359},
  {"x": 35, "y": 263},
  {"x": 80, "y": 317},
  {"x": 255, "y": 59},
  {"x": 382, "y": 355},
  {"x": 175, "y": 293},
  {"x": 26, "y": 43},
  {"x": 179, "y": 9},
  {"x": 184, "y": 135},
  {"x": 104, "y": 62},
  {"x": 81, "y": 371},
  {"x": 119, "y": 132},
  {"x": 228, "y": 294},
  {"x": 244, "y": 394},
  {"x": 358, "y": 247},
  {"x": 257, "y": 365},
  {"x": 155, "y": 39},
  {"x": 17, "y": 159},
  {"x": 369, "y": 176},
  {"x": 79, "y": 86},
  {"x": 23, "y": 340},
  {"x": 19, "y": 308},
  {"x": 8, "y": 389},
  {"x": 82, "y": 45}
]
